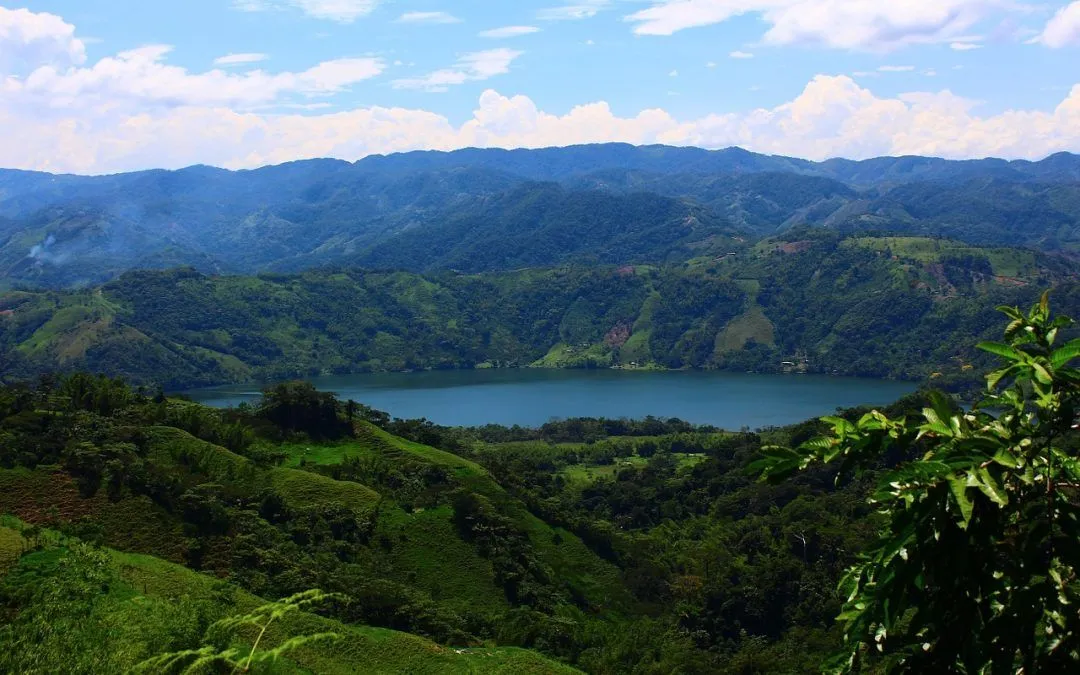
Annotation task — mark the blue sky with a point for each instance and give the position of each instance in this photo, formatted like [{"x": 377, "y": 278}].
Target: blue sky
[{"x": 120, "y": 84}]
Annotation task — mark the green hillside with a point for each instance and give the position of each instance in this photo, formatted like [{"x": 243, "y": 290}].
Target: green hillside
[
  {"x": 589, "y": 542},
  {"x": 120, "y": 609},
  {"x": 805, "y": 298}
]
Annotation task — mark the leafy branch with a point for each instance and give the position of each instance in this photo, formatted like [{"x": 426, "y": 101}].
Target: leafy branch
[
  {"x": 218, "y": 655},
  {"x": 975, "y": 570}
]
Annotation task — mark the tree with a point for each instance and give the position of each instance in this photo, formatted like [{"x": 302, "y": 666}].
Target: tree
[
  {"x": 975, "y": 569},
  {"x": 299, "y": 406}
]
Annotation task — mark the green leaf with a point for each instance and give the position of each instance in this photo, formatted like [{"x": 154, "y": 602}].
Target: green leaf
[
  {"x": 993, "y": 378},
  {"x": 777, "y": 463},
  {"x": 1001, "y": 349},
  {"x": 958, "y": 486},
  {"x": 1041, "y": 374},
  {"x": 1014, "y": 327},
  {"x": 1006, "y": 459},
  {"x": 1065, "y": 353},
  {"x": 990, "y": 487}
]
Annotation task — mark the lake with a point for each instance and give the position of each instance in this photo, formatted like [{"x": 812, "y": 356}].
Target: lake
[{"x": 530, "y": 397}]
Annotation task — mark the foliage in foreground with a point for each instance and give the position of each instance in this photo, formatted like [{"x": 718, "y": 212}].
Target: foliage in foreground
[
  {"x": 220, "y": 654},
  {"x": 975, "y": 570}
]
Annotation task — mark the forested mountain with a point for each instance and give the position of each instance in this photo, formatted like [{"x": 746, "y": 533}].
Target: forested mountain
[
  {"x": 812, "y": 301},
  {"x": 484, "y": 210}
]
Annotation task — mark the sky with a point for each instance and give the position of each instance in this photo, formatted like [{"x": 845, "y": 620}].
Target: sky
[{"x": 102, "y": 86}]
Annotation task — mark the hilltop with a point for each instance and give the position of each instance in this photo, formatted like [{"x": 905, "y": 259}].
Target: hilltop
[
  {"x": 812, "y": 300},
  {"x": 488, "y": 210}
]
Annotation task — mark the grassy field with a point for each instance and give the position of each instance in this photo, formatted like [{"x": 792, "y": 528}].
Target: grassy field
[
  {"x": 11, "y": 546},
  {"x": 584, "y": 474},
  {"x": 1005, "y": 262},
  {"x": 751, "y": 325}
]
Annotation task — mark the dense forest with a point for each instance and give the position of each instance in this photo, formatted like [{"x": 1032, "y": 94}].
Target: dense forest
[
  {"x": 494, "y": 210},
  {"x": 151, "y": 533},
  {"x": 607, "y": 544},
  {"x": 811, "y": 301}
]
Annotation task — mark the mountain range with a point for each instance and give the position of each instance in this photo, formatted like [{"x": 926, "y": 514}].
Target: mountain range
[{"x": 484, "y": 210}]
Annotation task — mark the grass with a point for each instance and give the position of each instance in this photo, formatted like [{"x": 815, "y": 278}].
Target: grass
[
  {"x": 751, "y": 325},
  {"x": 323, "y": 453},
  {"x": 155, "y": 603},
  {"x": 11, "y": 547},
  {"x": 563, "y": 355},
  {"x": 426, "y": 547},
  {"x": 461, "y": 466},
  {"x": 78, "y": 323},
  {"x": 586, "y": 474},
  {"x": 425, "y": 552},
  {"x": 432, "y": 545},
  {"x": 303, "y": 489},
  {"x": 1005, "y": 262}
]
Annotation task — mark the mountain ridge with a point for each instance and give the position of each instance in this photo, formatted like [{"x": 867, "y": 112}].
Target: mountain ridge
[{"x": 612, "y": 203}]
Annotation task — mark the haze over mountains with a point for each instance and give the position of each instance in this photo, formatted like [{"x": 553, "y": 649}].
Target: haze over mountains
[{"x": 482, "y": 210}]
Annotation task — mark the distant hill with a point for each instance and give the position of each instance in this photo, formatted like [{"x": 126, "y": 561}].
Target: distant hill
[
  {"x": 483, "y": 210},
  {"x": 857, "y": 306}
]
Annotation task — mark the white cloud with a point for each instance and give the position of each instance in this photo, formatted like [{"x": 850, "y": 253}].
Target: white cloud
[
  {"x": 673, "y": 73},
  {"x": 581, "y": 9},
  {"x": 134, "y": 111},
  {"x": 930, "y": 72},
  {"x": 469, "y": 68},
  {"x": 710, "y": 64},
  {"x": 509, "y": 31},
  {"x": 832, "y": 116},
  {"x": 428, "y": 17},
  {"x": 239, "y": 59},
  {"x": 139, "y": 79},
  {"x": 342, "y": 11},
  {"x": 846, "y": 24},
  {"x": 1064, "y": 29},
  {"x": 964, "y": 46},
  {"x": 29, "y": 39},
  {"x": 741, "y": 55},
  {"x": 895, "y": 69}
]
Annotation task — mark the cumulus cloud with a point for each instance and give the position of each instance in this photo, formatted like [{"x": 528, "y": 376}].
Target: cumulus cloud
[
  {"x": 832, "y": 116},
  {"x": 428, "y": 17},
  {"x": 133, "y": 110},
  {"x": 239, "y": 59},
  {"x": 509, "y": 32},
  {"x": 866, "y": 25},
  {"x": 342, "y": 11},
  {"x": 469, "y": 68},
  {"x": 139, "y": 79},
  {"x": 964, "y": 46},
  {"x": 741, "y": 55},
  {"x": 1064, "y": 29},
  {"x": 29, "y": 39}
]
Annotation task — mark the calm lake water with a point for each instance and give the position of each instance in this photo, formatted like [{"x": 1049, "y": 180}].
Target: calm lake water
[{"x": 530, "y": 397}]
